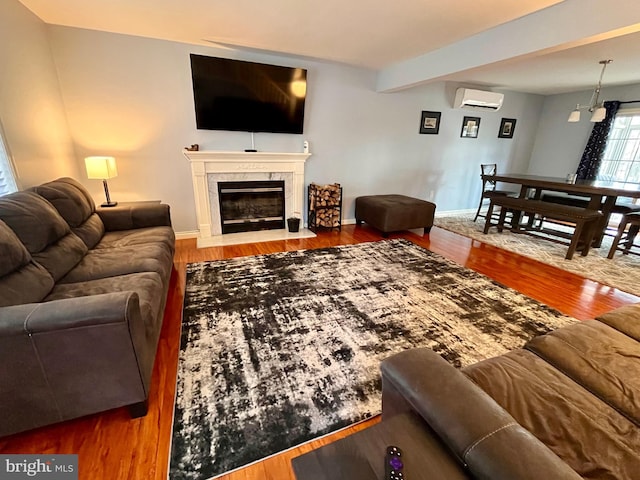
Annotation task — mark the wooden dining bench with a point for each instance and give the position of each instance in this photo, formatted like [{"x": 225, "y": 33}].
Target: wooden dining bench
[{"x": 583, "y": 220}]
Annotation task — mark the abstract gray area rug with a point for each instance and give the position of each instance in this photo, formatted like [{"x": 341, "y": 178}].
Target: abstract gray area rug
[
  {"x": 283, "y": 348},
  {"x": 621, "y": 272}
]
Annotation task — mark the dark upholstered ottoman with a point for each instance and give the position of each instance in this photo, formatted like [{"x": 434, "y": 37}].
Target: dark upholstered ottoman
[{"x": 390, "y": 213}]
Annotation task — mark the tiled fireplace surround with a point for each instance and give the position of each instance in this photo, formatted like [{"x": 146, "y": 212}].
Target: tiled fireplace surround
[{"x": 209, "y": 167}]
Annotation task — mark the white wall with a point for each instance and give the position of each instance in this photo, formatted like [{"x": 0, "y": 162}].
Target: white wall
[
  {"x": 559, "y": 144},
  {"x": 131, "y": 97},
  {"x": 66, "y": 93},
  {"x": 31, "y": 108}
]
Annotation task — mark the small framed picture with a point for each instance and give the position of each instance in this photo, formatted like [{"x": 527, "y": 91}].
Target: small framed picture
[
  {"x": 470, "y": 127},
  {"x": 430, "y": 122},
  {"x": 507, "y": 126}
]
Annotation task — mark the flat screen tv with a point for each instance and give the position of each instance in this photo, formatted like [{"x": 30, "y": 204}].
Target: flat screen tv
[{"x": 246, "y": 96}]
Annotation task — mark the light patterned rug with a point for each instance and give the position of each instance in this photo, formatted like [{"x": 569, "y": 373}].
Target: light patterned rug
[
  {"x": 280, "y": 349},
  {"x": 621, "y": 272}
]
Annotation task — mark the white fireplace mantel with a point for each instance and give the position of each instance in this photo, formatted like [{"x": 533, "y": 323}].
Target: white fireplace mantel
[{"x": 209, "y": 166}]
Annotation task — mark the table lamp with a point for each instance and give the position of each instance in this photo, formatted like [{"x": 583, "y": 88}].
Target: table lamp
[{"x": 102, "y": 168}]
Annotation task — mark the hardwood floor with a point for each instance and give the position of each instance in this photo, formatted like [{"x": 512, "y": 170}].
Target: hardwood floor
[{"x": 113, "y": 446}]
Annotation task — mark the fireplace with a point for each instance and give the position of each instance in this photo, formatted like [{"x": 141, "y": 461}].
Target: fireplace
[
  {"x": 249, "y": 206},
  {"x": 208, "y": 169}
]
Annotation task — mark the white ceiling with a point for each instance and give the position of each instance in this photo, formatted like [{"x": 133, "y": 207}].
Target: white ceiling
[{"x": 537, "y": 46}]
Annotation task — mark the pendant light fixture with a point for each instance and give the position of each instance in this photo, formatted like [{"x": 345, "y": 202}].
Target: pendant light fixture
[{"x": 596, "y": 107}]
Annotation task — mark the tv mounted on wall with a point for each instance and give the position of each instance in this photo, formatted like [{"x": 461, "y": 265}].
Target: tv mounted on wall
[{"x": 245, "y": 96}]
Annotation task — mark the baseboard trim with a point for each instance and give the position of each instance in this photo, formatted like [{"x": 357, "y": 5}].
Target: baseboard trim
[
  {"x": 347, "y": 221},
  {"x": 448, "y": 213},
  {"x": 187, "y": 234}
]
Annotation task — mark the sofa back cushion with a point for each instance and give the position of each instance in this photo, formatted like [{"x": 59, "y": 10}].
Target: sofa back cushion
[
  {"x": 600, "y": 358},
  {"x": 595, "y": 440},
  {"x": 43, "y": 232},
  {"x": 74, "y": 203},
  {"x": 91, "y": 231},
  {"x": 21, "y": 280}
]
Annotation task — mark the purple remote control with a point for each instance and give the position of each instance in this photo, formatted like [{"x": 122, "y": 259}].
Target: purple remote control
[{"x": 393, "y": 464}]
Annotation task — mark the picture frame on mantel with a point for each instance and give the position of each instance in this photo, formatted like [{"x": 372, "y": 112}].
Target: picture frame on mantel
[
  {"x": 430, "y": 122},
  {"x": 470, "y": 127},
  {"x": 507, "y": 127}
]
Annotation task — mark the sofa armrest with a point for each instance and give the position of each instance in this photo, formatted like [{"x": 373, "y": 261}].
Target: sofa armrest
[
  {"x": 141, "y": 215},
  {"x": 480, "y": 433},
  {"x": 69, "y": 358},
  {"x": 94, "y": 310}
]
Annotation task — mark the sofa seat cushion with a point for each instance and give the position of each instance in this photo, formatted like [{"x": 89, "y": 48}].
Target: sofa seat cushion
[
  {"x": 43, "y": 231},
  {"x": 591, "y": 437},
  {"x": 110, "y": 262},
  {"x": 147, "y": 285},
  {"x": 600, "y": 358},
  {"x": 141, "y": 236},
  {"x": 21, "y": 280},
  {"x": 74, "y": 203}
]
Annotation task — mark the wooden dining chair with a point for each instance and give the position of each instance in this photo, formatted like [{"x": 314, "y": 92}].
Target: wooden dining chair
[
  {"x": 627, "y": 232},
  {"x": 489, "y": 187}
]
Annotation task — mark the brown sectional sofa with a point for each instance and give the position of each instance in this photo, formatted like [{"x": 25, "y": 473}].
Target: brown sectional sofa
[
  {"x": 567, "y": 405},
  {"x": 82, "y": 297}
]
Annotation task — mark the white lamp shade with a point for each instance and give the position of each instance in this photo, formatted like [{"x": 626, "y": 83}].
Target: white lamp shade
[
  {"x": 574, "y": 116},
  {"x": 101, "y": 167},
  {"x": 599, "y": 114}
]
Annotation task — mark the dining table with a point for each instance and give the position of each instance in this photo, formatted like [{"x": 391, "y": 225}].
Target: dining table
[{"x": 602, "y": 194}]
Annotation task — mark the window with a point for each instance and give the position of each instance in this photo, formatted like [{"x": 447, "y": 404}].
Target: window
[
  {"x": 621, "y": 160},
  {"x": 7, "y": 177}
]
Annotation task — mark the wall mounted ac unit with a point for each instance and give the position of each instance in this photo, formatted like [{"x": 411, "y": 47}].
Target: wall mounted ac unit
[{"x": 478, "y": 99}]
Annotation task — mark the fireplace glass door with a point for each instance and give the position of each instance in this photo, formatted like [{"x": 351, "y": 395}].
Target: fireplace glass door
[{"x": 251, "y": 205}]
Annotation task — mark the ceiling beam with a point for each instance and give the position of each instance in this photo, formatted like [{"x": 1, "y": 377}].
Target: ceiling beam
[{"x": 559, "y": 27}]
